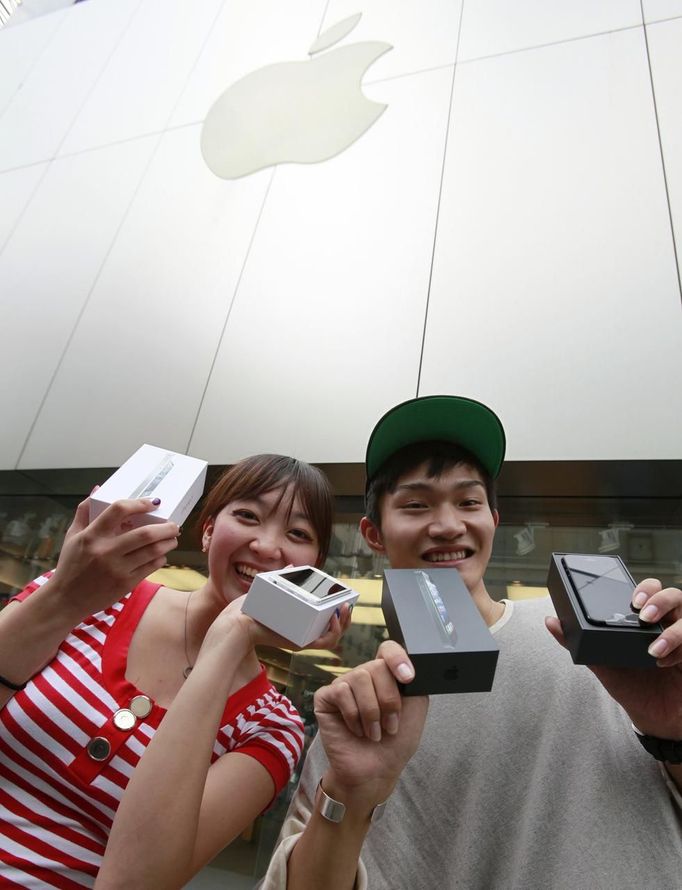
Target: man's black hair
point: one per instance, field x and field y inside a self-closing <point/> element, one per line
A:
<point x="439" y="457"/>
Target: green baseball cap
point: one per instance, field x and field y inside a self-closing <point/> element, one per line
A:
<point x="456" y="419"/>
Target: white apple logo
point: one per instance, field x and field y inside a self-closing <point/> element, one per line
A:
<point x="301" y="112"/>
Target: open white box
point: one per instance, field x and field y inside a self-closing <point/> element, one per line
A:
<point x="297" y="603"/>
<point x="176" y="479"/>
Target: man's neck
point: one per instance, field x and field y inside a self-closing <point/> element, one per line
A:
<point x="490" y="609"/>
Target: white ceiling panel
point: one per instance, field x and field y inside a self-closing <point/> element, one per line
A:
<point x="137" y="364"/>
<point x="16" y="188"/>
<point x="41" y="113"/>
<point x="247" y="35"/>
<point x="665" y="43"/>
<point x="20" y="47"/>
<point x="145" y="77"/>
<point x="554" y="295"/>
<point x="657" y="10"/>
<point x="47" y="271"/>
<point x="490" y="27"/>
<point x="326" y="329"/>
<point x="423" y="33"/>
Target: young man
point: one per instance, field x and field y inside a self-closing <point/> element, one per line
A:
<point x="541" y="783"/>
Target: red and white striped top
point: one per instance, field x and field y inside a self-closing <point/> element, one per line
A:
<point x="57" y="803"/>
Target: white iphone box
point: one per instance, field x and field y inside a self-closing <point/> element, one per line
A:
<point x="297" y="603"/>
<point x="176" y="479"/>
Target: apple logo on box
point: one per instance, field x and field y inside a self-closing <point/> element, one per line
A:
<point x="300" y="112"/>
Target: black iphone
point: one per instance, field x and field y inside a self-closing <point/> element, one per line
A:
<point x="604" y="589"/>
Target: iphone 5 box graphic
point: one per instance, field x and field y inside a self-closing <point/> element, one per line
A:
<point x="592" y="595"/>
<point x="297" y="603"/>
<point x="431" y="614"/>
<point x="176" y="479"/>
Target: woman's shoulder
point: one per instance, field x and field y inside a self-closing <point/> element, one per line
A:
<point x="262" y="722"/>
<point x="259" y="706"/>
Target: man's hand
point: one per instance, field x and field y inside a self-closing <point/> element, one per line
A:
<point x="652" y="697"/>
<point x="369" y="732"/>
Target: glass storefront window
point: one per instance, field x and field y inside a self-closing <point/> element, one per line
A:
<point x="32" y="532"/>
<point x="645" y="532"/>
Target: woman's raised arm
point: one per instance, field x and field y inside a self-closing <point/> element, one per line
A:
<point x="99" y="563"/>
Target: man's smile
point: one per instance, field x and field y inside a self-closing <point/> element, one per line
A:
<point x="447" y="555"/>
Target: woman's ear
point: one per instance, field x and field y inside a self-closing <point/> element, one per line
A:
<point x="372" y="535"/>
<point x="206" y="535"/>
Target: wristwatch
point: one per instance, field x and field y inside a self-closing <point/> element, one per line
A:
<point x="334" y="811"/>
<point x="668" y="750"/>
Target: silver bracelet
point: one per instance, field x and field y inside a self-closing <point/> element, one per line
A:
<point x="334" y="811"/>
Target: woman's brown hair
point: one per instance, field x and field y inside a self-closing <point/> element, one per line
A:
<point x="266" y="472"/>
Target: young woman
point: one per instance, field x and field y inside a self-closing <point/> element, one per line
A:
<point x="107" y="666"/>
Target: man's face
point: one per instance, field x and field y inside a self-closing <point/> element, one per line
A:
<point x="439" y="522"/>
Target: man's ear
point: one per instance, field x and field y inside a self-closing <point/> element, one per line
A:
<point x="372" y="535"/>
<point x="496" y="517"/>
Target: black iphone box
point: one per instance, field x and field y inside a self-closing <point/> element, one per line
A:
<point x="592" y="595"/>
<point x="431" y="614"/>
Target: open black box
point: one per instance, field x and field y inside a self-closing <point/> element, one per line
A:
<point x="432" y="615"/>
<point x="582" y="583"/>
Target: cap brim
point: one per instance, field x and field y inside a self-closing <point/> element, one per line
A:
<point x="456" y="419"/>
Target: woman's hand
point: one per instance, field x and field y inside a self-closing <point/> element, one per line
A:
<point x="339" y="624"/>
<point x="330" y="639"/>
<point x="256" y="634"/>
<point x="102" y="560"/>
<point x="99" y="563"/>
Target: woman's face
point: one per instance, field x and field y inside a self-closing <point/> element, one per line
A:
<point x="257" y="534"/>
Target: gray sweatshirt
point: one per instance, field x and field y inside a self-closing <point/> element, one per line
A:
<point x="540" y="783"/>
